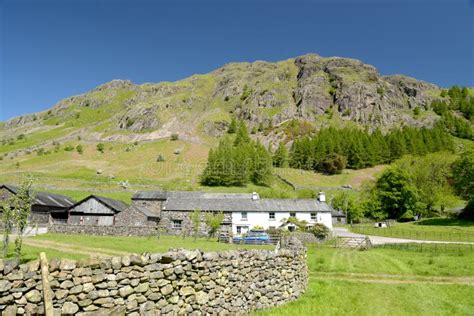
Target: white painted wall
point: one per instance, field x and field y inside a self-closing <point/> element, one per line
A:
<point x="262" y="219"/>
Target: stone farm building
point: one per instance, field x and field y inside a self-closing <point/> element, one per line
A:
<point x="170" y="212"/>
<point x="45" y="207"/>
<point x="242" y="212"/>
<point x="338" y="217"/>
<point x="95" y="210"/>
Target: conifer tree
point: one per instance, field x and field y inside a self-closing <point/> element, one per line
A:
<point x="280" y="158"/>
<point x="233" y="126"/>
<point x="242" y="136"/>
<point x="262" y="165"/>
<point x="238" y="161"/>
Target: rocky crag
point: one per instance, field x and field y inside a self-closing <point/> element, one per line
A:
<point x="310" y="88"/>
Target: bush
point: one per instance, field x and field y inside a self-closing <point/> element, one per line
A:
<point x="246" y="92"/>
<point x="160" y="158"/>
<point x="232" y="126"/>
<point x="68" y="148"/>
<point x="380" y="90"/>
<point x="100" y="147"/>
<point x="174" y="137"/>
<point x="468" y="212"/>
<point x="79" y="149"/>
<point x="320" y="231"/>
<point x="416" y="111"/>
<point x="129" y="122"/>
<point x="333" y="164"/>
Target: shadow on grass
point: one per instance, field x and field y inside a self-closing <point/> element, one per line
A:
<point x="445" y="222"/>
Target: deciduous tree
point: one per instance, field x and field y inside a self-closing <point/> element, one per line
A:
<point x="214" y="221"/>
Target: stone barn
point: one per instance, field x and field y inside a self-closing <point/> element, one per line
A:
<point x="46" y="206"/>
<point x="137" y="215"/>
<point x="95" y="210"/>
<point x="338" y="217"/>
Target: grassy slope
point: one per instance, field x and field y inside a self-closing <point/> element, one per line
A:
<point x="442" y="229"/>
<point x="355" y="178"/>
<point x="74" y="174"/>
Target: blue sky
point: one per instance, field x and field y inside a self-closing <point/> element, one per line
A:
<point x="50" y="49"/>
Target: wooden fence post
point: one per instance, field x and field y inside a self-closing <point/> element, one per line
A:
<point x="47" y="294"/>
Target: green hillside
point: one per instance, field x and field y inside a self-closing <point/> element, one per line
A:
<point x="279" y="102"/>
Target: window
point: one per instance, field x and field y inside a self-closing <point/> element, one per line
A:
<point x="313" y="216"/>
<point x="244" y="216"/>
<point x="242" y="230"/>
<point x="271" y="216"/>
<point x="293" y="214"/>
<point x="177" y="224"/>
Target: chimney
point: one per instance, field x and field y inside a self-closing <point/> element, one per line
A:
<point x="322" y="197"/>
<point x="255" y="196"/>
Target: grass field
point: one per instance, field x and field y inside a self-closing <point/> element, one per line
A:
<point x="308" y="179"/>
<point x="83" y="246"/>
<point x="384" y="282"/>
<point x="32" y="253"/>
<point x="342" y="281"/>
<point x="439" y="229"/>
<point x="336" y="297"/>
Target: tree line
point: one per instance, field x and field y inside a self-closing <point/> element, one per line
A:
<point x="332" y="150"/>
<point x="414" y="186"/>
<point x="456" y="109"/>
<point x="238" y="160"/>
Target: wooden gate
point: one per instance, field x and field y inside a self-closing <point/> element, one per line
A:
<point x="362" y="243"/>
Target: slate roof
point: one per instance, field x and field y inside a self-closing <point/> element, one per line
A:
<point x="164" y="195"/>
<point x="147" y="211"/>
<point x="337" y="213"/>
<point x="247" y="205"/>
<point x="117" y="206"/>
<point x="45" y="198"/>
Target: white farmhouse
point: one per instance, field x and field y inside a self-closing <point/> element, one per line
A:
<point x="242" y="212"/>
<point x="274" y="213"/>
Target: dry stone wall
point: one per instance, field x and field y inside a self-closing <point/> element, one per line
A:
<point x="103" y="230"/>
<point x="177" y="282"/>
